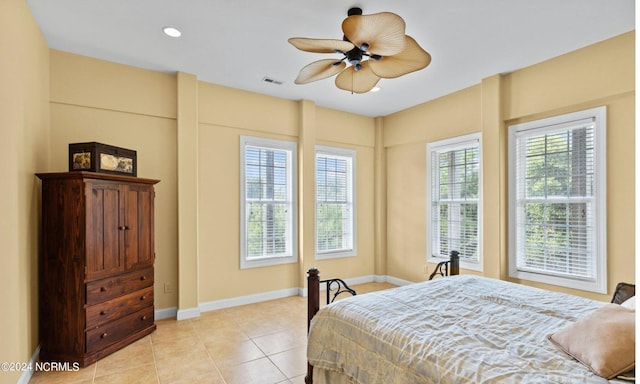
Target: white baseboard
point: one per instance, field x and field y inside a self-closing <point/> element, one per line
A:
<point x="373" y="279"/>
<point x="248" y="299"/>
<point x="183" y="314"/>
<point x="376" y="279"/>
<point x="398" y="282"/>
<point x="359" y="280"/>
<point x="189" y="313"/>
<point x="166" y="313"/>
<point x="28" y="373"/>
<point x="379" y="278"/>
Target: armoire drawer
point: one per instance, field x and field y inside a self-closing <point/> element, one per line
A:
<point x="109" y="333"/>
<point x="116" y="308"/>
<point x="105" y="289"/>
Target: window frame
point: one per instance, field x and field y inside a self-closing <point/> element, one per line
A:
<point x="291" y="255"/>
<point x="350" y="154"/>
<point x="599" y="240"/>
<point x="447" y="145"/>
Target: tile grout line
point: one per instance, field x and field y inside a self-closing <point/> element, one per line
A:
<point x="207" y="351"/>
<point x="252" y="339"/>
<point x="95" y="369"/>
<point x="155" y="362"/>
<point x="270" y="360"/>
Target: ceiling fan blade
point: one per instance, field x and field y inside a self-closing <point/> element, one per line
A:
<point x="412" y="58"/>
<point x="320" y="45"/>
<point x="361" y="81"/>
<point x="319" y="70"/>
<point x="382" y="32"/>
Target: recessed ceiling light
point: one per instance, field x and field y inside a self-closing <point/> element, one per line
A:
<point x="171" y="31"/>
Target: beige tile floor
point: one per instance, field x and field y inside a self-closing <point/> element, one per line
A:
<point x="262" y="343"/>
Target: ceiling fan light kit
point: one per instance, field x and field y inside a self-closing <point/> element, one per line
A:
<point x="375" y="46"/>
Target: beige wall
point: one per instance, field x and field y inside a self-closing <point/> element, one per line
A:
<point x="223" y="119"/>
<point x="405" y="136"/>
<point x="24" y="150"/>
<point x="95" y="100"/>
<point x="601" y="74"/>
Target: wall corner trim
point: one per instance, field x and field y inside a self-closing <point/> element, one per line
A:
<point x="189" y="313"/>
<point x="166" y="313"/>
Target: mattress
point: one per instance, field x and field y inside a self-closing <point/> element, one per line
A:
<point x="458" y="329"/>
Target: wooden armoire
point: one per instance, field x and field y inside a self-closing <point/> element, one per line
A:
<point x="95" y="265"/>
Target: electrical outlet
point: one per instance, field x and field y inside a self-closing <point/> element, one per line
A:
<point x="168" y="288"/>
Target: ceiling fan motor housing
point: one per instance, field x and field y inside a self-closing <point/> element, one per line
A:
<point x="354" y="56"/>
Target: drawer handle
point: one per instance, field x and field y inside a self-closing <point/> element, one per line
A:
<point x="143" y="298"/>
<point x="102" y="313"/>
<point x="122" y="227"/>
<point x="103" y="289"/>
<point x="143" y="278"/>
<point x="143" y="318"/>
<point x="104" y="335"/>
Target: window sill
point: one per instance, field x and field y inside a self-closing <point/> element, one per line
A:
<point x="248" y="264"/>
<point x="583" y="285"/>
<point x="335" y="255"/>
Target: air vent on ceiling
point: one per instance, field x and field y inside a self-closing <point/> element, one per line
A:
<point x="272" y="81"/>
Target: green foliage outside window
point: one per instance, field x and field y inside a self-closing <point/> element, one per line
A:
<point x="559" y="183"/>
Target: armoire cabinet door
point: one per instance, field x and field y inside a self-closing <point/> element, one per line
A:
<point x="138" y="239"/>
<point x="104" y="229"/>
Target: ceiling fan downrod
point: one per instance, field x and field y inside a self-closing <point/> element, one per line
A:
<point x="354" y="11"/>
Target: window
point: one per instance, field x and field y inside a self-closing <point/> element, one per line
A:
<point x="335" y="209"/>
<point x="453" y="198"/>
<point x="268" y="206"/>
<point x="557" y="200"/>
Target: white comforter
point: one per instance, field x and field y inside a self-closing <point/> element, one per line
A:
<point x="459" y="329"/>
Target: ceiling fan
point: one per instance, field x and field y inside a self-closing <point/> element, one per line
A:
<point x="376" y="47"/>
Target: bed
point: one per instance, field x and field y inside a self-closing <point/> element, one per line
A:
<point x="463" y="329"/>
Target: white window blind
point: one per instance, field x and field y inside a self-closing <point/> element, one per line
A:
<point x="557" y="204"/>
<point x="335" y="224"/>
<point x="453" y="197"/>
<point x="268" y="209"/>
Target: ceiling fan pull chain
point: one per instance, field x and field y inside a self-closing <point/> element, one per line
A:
<point x="352" y="83"/>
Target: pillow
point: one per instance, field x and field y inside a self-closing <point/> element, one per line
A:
<point x="623" y="292"/>
<point x="630" y="303"/>
<point x="604" y="340"/>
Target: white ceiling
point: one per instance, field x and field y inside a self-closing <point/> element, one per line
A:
<point x="238" y="43"/>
